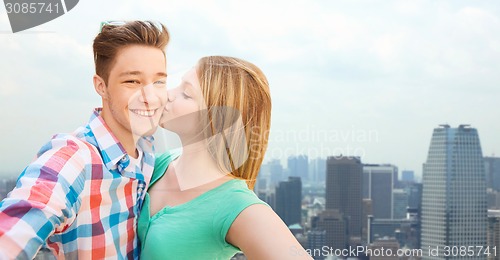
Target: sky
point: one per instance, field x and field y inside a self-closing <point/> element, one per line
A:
<point x="364" y="78"/>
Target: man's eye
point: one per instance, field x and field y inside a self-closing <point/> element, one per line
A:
<point x="160" y="83"/>
<point x="132" y="81"/>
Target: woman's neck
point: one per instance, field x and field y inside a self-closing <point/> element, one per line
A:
<point x="196" y="167"/>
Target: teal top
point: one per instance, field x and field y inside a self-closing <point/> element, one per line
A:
<point x="196" y="229"/>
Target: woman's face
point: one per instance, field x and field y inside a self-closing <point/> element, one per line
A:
<point x="181" y="114"/>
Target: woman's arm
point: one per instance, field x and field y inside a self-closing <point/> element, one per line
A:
<point x="261" y="234"/>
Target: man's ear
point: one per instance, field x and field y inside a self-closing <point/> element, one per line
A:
<point x="100" y="86"/>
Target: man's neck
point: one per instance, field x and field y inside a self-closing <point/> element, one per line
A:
<point x="124" y="136"/>
<point x="129" y="144"/>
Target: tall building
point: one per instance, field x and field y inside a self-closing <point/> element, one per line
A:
<point x="343" y="190"/>
<point x="378" y="184"/>
<point x="334" y="223"/>
<point x="404" y="230"/>
<point x="454" y="205"/>
<point x="414" y="239"/>
<point x="400" y="203"/>
<point x="298" y="166"/>
<point x="494" y="233"/>
<point x="366" y="212"/>
<point x="316" y="240"/>
<point x="414" y="191"/>
<point x="317" y="171"/>
<point x="276" y="173"/>
<point x="407" y="176"/>
<point x="262" y="183"/>
<point x="381" y="245"/>
<point x="492" y="167"/>
<point x="493" y="199"/>
<point x="288" y="200"/>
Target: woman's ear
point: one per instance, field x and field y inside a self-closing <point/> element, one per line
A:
<point x="100" y="86"/>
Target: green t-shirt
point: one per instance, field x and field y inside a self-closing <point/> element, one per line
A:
<point x="196" y="229"/>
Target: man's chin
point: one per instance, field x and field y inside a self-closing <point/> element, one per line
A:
<point x="145" y="132"/>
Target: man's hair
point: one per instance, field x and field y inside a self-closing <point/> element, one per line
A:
<point x="235" y="90"/>
<point x="113" y="38"/>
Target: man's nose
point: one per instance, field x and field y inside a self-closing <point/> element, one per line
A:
<point x="149" y="94"/>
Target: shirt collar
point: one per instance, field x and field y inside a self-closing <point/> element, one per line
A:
<point x="112" y="152"/>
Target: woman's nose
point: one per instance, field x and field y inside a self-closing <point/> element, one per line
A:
<point x="171" y="95"/>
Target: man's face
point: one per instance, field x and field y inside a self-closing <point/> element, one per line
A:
<point x="136" y="91"/>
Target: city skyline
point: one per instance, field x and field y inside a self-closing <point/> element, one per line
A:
<point x="454" y="204"/>
<point x="322" y="220"/>
<point x="344" y="80"/>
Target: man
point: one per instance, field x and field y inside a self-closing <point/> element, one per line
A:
<point x="81" y="196"/>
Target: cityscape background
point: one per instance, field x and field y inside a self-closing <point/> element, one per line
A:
<point x="357" y="88"/>
<point x="339" y="202"/>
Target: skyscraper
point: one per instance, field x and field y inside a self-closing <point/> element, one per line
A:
<point x="366" y="212"/>
<point x="343" y="190"/>
<point x="317" y="170"/>
<point x="400" y="203"/>
<point x="384" y="244"/>
<point x="276" y="172"/>
<point x="316" y="240"/>
<point x="407" y="176"/>
<point x="492" y="166"/>
<point x="298" y="166"/>
<point x="494" y="233"/>
<point x="334" y="224"/>
<point x="454" y="209"/>
<point x="414" y="191"/>
<point x="378" y="184"/>
<point x="288" y="200"/>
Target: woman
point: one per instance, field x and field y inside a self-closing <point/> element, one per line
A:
<point x="200" y="204"/>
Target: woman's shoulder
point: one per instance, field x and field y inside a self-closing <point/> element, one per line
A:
<point x="234" y="197"/>
<point x="237" y="190"/>
<point x="161" y="163"/>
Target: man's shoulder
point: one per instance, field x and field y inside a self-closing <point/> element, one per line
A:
<point x="63" y="155"/>
<point x="65" y="143"/>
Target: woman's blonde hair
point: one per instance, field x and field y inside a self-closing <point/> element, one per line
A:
<point x="238" y="102"/>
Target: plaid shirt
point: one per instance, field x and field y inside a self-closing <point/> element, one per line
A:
<point x="80" y="198"/>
